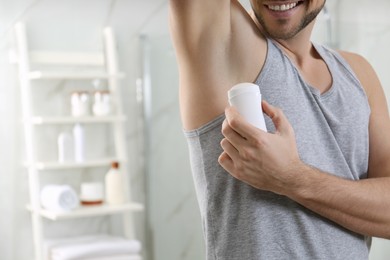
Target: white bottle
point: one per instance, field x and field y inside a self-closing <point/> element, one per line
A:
<point x="115" y="194"/>
<point x="102" y="103"/>
<point x="79" y="142"/>
<point x="65" y="147"/>
<point x="80" y="103"/>
<point x="246" y="98"/>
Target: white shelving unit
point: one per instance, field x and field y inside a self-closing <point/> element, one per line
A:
<point x="88" y="211"/>
<point x="55" y="165"/>
<point x="39" y="120"/>
<point x="106" y="66"/>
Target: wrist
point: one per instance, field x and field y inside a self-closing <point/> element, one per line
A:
<point x="298" y="183"/>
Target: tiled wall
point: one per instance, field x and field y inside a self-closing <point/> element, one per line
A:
<point x="174" y="213"/>
<point x="364" y="28"/>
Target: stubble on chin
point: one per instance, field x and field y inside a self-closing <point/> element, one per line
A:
<point x="291" y="32"/>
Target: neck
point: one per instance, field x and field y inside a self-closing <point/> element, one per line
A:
<point x="299" y="48"/>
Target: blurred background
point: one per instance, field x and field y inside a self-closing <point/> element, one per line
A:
<point x="160" y="179"/>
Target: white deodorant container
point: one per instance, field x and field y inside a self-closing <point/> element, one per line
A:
<point x="246" y="98"/>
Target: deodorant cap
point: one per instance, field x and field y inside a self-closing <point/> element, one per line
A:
<point x="246" y="98"/>
<point x="243" y="88"/>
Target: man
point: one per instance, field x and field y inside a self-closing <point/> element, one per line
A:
<point x="317" y="185"/>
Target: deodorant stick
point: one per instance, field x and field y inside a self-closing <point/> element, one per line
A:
<point x="246" y="98"/>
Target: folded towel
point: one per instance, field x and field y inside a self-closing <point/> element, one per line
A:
<point x="116" y="257"/>
<point x="54" y="243"/>
<point x="59" y="198"/>
<point x="98" y="247"/>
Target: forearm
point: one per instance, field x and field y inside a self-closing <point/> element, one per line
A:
<point x="271" y="162"/>
<point x="361" y="206"/>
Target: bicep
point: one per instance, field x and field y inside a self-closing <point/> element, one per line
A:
<point x="217" y="45"/>
<point x="192" y="20"/>
<point x="200" y="31"/>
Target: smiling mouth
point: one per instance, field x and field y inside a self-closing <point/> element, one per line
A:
<point x="283" y="7"/>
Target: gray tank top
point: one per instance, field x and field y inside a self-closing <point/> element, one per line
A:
<point x="243" y="223"/>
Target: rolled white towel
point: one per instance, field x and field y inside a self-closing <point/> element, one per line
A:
<point x="59" y="198"/>
<point x="106" y="248"/>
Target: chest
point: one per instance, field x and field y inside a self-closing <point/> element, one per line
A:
<point x="317" y="75"/>
<point x="331" y="128"/>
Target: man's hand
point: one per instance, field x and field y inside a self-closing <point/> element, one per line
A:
<point x="267" y="161"/>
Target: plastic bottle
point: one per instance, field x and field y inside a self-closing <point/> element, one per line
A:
<point x="79" y="142"/>
<point x="115" y="194"/>
<point x="102" y="103"/>
<point x="80" y="103"/>
<point x="65" y="147"/>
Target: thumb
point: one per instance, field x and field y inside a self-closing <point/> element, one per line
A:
<point x="280" y="121"/>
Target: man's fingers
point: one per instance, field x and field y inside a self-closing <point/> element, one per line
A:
<point x="229" y="149"/>
<point x="226" y="162"/>
<point x="278" y="118"/>
<point x="232" y="136"/>
<point x="240" y="125"/>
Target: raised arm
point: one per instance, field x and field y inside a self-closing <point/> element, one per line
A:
<point x="217" y="45"/>
<point x="193" y="21"/>
<point x="199" y="29"/>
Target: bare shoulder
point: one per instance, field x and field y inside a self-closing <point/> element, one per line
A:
<point x="363" y="70"/>
<point x="379" y="127"/>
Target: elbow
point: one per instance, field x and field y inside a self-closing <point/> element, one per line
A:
<point x="383" y="230"/>
<point x="386" y="234"/>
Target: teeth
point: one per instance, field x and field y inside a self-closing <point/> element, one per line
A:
<point x="284" y="7"/>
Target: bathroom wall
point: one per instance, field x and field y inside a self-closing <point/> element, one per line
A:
<point x="70" y="25"/>
<point x="174" y="219"/>
<point x="174" y="216"/>
<point x="173" y="228"/>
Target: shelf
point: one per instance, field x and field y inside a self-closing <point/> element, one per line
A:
<point x="67" y="58"/>
<point x="72" y="165"/>
<point x="73" y="120"/>
<point x="72" y="75"/>
<point x="60" y="66"/>
<point x="89" y="211"/>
